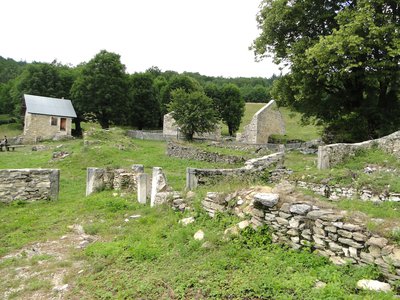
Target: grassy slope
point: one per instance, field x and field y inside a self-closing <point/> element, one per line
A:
<point x="154" y="257"/>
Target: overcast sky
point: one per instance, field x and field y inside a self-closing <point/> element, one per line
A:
<point x="206" y="36"/>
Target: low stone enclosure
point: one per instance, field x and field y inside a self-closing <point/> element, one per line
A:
<point x="252" y="167"/>
<point x="135" y="180"/>
<point x="187" y="152"/>
<point x="29" y="184"/>
<point x="331" y="155"/>
<point x="303" y="222"/>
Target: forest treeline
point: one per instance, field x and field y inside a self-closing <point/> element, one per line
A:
<point x="101" y="89"/>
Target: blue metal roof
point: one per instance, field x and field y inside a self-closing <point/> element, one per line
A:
<point x="49" y="106"/>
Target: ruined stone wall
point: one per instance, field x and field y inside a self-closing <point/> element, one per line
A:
<point x="331" y="155"/>
<point x="303" y="223"/>
<point x="253" y="167"/>
<point x="38" y="127"/>
<point x="29" y="184"/>
<point x="156" y="135"/>
<point x="181" y="151"/>
<point x="337" y="192"/>
<point x="98" y="179"/>
<point x="267" y="121"/>
<point x="171" y="130"/>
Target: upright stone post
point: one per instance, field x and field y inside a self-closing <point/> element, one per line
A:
<point x="323" y="158"/>
<point x="191" y="181"/>
<point x="138" y="168"/>
<point x="158" y="185"/>
<point x="92" y="181"/>
<point x="142" y="188"/>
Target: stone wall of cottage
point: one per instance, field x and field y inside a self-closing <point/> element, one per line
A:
<point x="29" y="184"/>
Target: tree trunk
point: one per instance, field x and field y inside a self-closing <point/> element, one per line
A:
<point x="189" y="136"/>
<point x="104" y="123"/>
<point x="78" y="128"/>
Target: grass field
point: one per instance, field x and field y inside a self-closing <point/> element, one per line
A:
<point x="152" y="257"/>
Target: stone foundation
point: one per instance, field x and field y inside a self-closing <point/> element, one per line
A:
<point x="300" y="222"/>
<point x="29" y="184"/>
<point x="253" y="167"/>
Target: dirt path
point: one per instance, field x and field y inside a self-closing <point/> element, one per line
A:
<point x="46" y="270"/>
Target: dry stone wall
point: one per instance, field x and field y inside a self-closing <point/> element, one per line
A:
<point x="156" y="135"/>
<point x="29" y="184"/>
<point x="267" y="121"/>
<point x="331" y="155"/>
<point x="98" y="179"/>
<point x="302" y="222"/>
<point x="253" y="167"/>
<point x="337" y="192"/>
<point x="181" y="151"/>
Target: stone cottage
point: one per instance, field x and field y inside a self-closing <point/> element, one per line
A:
<point x="47" y="118"/>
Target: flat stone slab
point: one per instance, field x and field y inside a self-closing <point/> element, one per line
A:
<point x="300" y="209"/>
<point x="266" y="199"/>
<point x="373" y="285"/>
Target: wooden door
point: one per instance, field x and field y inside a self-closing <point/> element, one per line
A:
<point x="63" y="124"/>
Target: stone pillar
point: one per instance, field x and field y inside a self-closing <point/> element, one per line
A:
<point x="138" y="168"/>
<point x="323" y="158"/>
<point x="142" y="188"/>
<point x="54" y="178"/>
<point x="158" y="185"/>
<point x="191" y="180"/>
<point x="94" y="180"/>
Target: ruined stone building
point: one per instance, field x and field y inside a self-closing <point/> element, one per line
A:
<point x="265" y="122"/>
<point x="47" y="118"/>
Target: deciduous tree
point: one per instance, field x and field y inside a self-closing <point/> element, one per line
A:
<point x="187" y="83"/>
<point x="143" y="106"/>
<point x="193" y="112"/>
<point x="102" y="89"/>
<point x="344" y="60"/>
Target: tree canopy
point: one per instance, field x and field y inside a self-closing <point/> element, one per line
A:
<point x="344" y="62"/>
<point x="102" y="88"/>
<point x="228" y="104"/>
<point x="187" y="83"/>
<point x="143" y="108"/>
<point x="193" y="112"/>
